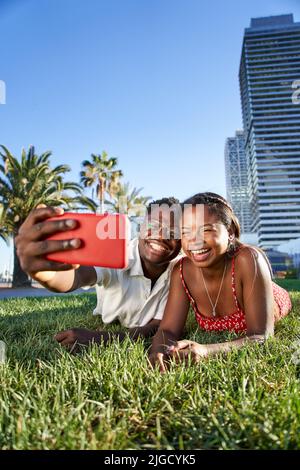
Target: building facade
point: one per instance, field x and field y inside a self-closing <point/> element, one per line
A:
<point x="269" y="72"/>
<point x="237" y="179"/>
<point x="293" y="249"/>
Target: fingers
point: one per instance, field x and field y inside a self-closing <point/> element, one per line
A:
<point x="185" y="356"/>
<point x="161" y="362"/>
<point x="71" y="347"/>
<point x="44" y="229"/>
<point x="180" y="356"/>
<point x="32" y="243"/>
<point x="50" y="246"/>
<point x="185" y="343"/>
<point x="32" y="254"/>
<point x="181" y="352"/>
<point x="157" y="360"/>
<point x="61" y="336"/>
<point x="179" y="345"/>
<point x="68" y="340"/>
<point x="40" y="214"/>
<point x="75" y="339"/>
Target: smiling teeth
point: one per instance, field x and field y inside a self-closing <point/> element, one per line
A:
<point x="157" y="247"/>
<point x="200" y="252"/>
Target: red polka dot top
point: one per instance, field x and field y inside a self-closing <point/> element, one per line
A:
<point x="235" y="321"/>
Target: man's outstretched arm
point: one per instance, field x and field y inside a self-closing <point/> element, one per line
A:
<point x="80" y="336"/>
<point x="144" y="331"/>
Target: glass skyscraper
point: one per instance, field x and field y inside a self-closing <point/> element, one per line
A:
<point x="269" y="68"/>
<point x="237" y="179"/>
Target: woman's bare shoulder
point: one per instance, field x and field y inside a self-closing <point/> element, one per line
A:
<point x="246" y="252"/>
<point x="187" y="266"/>
<point x="251" y="259"/>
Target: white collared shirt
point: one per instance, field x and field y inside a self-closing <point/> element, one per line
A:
<point x="126" y="295"/>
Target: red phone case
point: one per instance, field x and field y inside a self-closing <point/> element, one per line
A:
<point x="103" y="240"/>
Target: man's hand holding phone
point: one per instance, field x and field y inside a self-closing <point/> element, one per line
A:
<point x="52" y="244"/>
<point x="33" y="245"/>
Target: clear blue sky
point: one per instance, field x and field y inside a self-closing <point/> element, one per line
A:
<point x="152" y="82"/>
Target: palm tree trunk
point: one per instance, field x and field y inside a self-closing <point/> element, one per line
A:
<point x="20" y="278"/>
<point x="101" y="196"/>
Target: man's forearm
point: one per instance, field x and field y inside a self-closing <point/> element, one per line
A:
<point x="57" y="281"/>
<point x="107" y="336"/>
<point x="67" y="281"/>
<point x="144" y="331"/>
<point x="133" y="333"/>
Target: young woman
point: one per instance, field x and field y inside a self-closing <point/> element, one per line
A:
<point x="227" y="283"/>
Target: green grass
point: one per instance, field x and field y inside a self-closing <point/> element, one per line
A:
<point x="108" y="398"/>
<point x="289" y="284"/>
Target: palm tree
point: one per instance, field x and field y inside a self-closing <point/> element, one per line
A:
<point x="3" y="230"/>
<point x="127" y="200"/>
<point x="24" y="185"/>
<point x="101" y="171"/>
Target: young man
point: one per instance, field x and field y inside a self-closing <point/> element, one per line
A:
<point x="135" y="296"/>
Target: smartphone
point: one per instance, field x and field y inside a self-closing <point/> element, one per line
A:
<point x="104" y="240"/>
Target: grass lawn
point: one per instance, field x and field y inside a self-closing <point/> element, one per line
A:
<point x="107" y="398"/>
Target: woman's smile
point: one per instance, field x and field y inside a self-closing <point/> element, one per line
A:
<point x="200" y="255"/>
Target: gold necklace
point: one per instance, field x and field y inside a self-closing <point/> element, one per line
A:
<point x="214" y="313"/>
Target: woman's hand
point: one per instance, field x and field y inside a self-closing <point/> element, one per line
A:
<point x="185" y="349"/>
<point x="158" y="359"/>
<point x="181" y="351"/>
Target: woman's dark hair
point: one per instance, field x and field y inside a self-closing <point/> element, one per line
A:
<point x="218" y="206"/>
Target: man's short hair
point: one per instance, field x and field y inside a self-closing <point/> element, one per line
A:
<point x="169" y="201"/>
